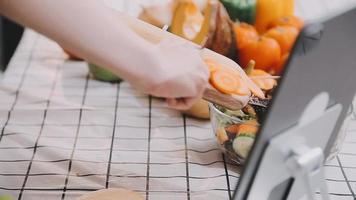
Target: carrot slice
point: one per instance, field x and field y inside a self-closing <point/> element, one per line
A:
<point x="247" y="128"/>
<point x="212" y="65"/>
<point x="224" y="81"/>
<point x="242" y="88"/>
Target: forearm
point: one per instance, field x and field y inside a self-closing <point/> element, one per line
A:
<point x="87" y="28"/>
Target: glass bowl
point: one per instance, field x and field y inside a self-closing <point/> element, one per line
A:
<point x="235" y="135"/>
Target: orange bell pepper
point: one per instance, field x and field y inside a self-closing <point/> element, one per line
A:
<point x="268" y="11"/>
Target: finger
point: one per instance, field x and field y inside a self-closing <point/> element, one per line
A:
<point x="171" y="102"/>
<point x="184" y="103"/>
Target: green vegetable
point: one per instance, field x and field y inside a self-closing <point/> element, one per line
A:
<point x="5" y="197"/>
<point x="242" y="10"/>
<point x="102" y="74"/>
<point x="239" y="114"/>
<point x="242" y="145"/>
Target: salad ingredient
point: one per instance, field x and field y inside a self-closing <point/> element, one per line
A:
<point x="250" y="111"/>
<point x="242" y="90"/>
<point x="199" y="110"/>
<point x="245" y="34"/>
<point x="247" y="129"/>
<point x="242" y="145"/>
<point x="224" y="81"/>
<point x="232" y="128"/>
<point x="265" y="83"/>
<point x="241" y="10"/>
<point x="284" y="35"/>
<point x="269" y="10"/>
<point x="102" y="74"/>
<point x="288" y="20"/>
<point x="221" y="135"/>
<point x="158" y="15"/>
<point x="264" y="51"/>
<point x="212" y="65"/>
<point x="228" y="81"/>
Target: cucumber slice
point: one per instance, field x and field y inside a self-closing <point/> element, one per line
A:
<point x="242" y="145"/>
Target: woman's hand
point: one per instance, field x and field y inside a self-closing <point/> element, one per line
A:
<point x="180" y="75"/>
<point x="172" y="70"/>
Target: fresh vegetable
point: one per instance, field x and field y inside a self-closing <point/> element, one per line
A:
<point x="232" y="129"/>
<point x="224" y="37"/>
<point x="211" y="28"/>
<point x="288" y="20"/>
<point x="288" y="7"/>
<point x="228" y="82"/>
<point x="247" y="129"/>
<point x="189" y="23"/>
<point x="284" y="35"/>
<point x="242" y="145"/>
<point x="5" y="197"/>
<point x="245" y="34"/>
<point x="235" y="135"/>
<point x="268" y="11"/>
<point x="264" y="51"/>
<point x="102" y="74"/>
<point x="236" y="130"/>
<point x="158" y="15"/>
<point x="278" y="68"/>
<point x="246" y="85"/>
<point x="221" y="135"/>
<point x="241" y="10"/>
<point x="224" y="81"/>
<point x="212" y="65"/>
<point x="264" y="83"/>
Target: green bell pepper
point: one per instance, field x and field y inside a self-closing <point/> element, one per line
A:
<point x="241" y="10"/>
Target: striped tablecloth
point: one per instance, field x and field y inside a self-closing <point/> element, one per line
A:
<point x="63" y="134"/>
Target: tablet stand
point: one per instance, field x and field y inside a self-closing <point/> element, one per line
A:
<point x="295" y="158"/>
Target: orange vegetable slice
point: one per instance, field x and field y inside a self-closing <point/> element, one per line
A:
<point x="224" y="81"/>
<point x="247" y="129"/>
<point x="212" y="65"/>
<point x="265" y="84"/>
<point x="242" y="88"/>
<point x="233" y="128"/>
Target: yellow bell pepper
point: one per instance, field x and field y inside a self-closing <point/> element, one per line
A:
<point x="270" y="10"/>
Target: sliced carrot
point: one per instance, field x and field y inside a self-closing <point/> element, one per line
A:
<point x="224" y="81"/>
<point x="242" y="89"/>
<point x="247" y="128"/>
<point x="233" y="128"/>
<point x="212" y="65"/>
<point x="265" y="84"/>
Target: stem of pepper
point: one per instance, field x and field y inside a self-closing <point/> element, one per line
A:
<point x="250" y="67"/>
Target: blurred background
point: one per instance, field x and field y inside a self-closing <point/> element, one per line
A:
<point x="10" y="35"/>
<point x="10" y="32"/>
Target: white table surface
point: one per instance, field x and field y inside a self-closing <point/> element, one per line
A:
<point x="63" y="134"/>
